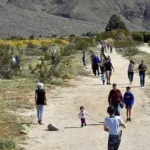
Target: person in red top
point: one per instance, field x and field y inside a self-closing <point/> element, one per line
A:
<point x="115" y="99"/>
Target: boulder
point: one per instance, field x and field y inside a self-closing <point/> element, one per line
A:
<point x="52" y="127"/>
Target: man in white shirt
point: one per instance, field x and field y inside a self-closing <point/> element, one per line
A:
<point x="112" y="125"/>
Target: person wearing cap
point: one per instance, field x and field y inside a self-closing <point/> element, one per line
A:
<point x="40" y="101"/>
<point x="115" y="99"/>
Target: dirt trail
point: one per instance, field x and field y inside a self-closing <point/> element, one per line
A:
<point x="145" y="48"/>
<point x="64" y="106"/>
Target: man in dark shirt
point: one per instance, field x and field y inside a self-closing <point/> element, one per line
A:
<point x="108" y="68"/>
<point x="115" y="99"/>
<point x="142" y="69"/>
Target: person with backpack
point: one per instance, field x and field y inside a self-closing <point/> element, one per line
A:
<point x="95" y="65"/>
<point x="131" y="71"/>
<point x="115" y="99"/>
<point x="129" y="101"/>
<point x="112" y="125"/>
<point x="108" y="67"/>
<point x="142" y="72"/>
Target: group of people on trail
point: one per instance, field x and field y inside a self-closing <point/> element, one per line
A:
<point x="142" y="72"/>
<point x="102" y="66"/>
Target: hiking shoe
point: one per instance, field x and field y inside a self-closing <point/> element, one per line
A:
<point x="109" y="83"/>
<point x="81" y="126"/>
<point x="129" y="119"/>
<point x="85" y="124"/>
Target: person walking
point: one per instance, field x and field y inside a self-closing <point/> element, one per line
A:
<point x="40" y="101"/>
<point x="115" y="99"/>
<point x="95" y="65"/>
<point x="102" y="64"/>
<point x="129" y="101"/>
<point x="108" y="67"/>
<point x="83" y="58"/>
<point x="142" y="72"/>
<point x="131" y="71"/>
<point x="112" y="125"/>
<point x="82" y="115"/>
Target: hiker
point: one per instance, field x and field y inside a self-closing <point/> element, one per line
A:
<point x="115" y="99"/>
<point x="82" y="115"/>
<point x="112" y="125"/>
<point x="102" y="64"/>
<point x="40" y="101"/>
<point x="108" y="68"/>
<point x="131" y="71"/>
<point x="95" y="65"/>
<point x="53" y="57"/>
<point x="142" y="69"/>
<point x="83" y="59"/>
<point x="129" y="101"/>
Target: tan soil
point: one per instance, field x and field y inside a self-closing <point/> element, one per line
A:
<point x="63" y="108"/>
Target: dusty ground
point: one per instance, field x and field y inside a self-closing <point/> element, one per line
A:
<point x="63" y="107"/>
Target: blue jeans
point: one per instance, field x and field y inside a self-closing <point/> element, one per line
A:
<point x="40" y="110"/>
<point x="142" y="78"/>
<point x="117" y="109"/>
<point x="130" y="76"/>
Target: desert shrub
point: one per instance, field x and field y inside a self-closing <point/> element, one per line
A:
<point x="44" y="48"/>
<point x="146" y="36"/>
<point x="54" y="36"/>
<point x="31" y="37"/>
<point x="7" y="144"/>
<point x="124" y="43"/>
<point x="31" y="45"/>
<point x="64" y="68"/>
<point x="119" y="34"/>
<point x="138" y="37"/>
<point x="72" y="35"/>
<point x="130" y="51"/>
<point x="7" y="69"/>
<point x="33" y="52"/>
<point x="115" y="22"/>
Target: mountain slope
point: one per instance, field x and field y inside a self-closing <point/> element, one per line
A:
<point x="63" y="17"/>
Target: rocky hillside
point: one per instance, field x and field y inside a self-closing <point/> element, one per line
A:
<point x="64" y="17"/>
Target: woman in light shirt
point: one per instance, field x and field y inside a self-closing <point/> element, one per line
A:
<point x="131" y="71"/>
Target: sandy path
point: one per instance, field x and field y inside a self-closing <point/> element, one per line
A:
<point x="64" y="106"/>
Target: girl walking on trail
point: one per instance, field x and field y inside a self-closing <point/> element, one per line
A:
<point x="103" y="78"/>
<point x="40" y="101"/>
<point x="131" y="71"/>
<point x="82" y="115"/>
<point x="112" y="125"/>
<point x="108" y="68"/>
<point x="129" y="101"/>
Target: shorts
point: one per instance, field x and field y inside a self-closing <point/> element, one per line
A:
<point x="108" y="73"/>
<point x="128" y="106"/>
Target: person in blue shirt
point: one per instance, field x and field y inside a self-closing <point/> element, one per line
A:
<point x="129" y="101"/>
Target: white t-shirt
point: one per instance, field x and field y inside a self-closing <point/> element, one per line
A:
<point x="83" y="114"/>
<point x="113" y="124"/>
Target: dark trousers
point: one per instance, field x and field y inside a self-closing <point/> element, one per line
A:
<point x="142" y="78"/>
<point x="84" y="62"/>
<point x="95" y="68"/>
<point x="130" y="76"/>
<point x="102" y="69"/>
<point x="83" y="121"/>
<point x="114" y="142"/>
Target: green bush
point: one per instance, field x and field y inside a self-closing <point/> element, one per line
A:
<point x="115" y="23"/>
<point x="138" y="37"/>
<point x="124" y="43"/>
<point x="146" y="36"/>
<point x="130" y="51"/>
<point x="114" y="34"/>
<point x="7" y="144"/>
<point x="44" y="48"/>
